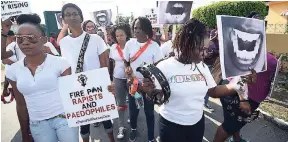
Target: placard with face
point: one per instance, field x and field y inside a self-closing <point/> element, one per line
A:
<point x="103" y="17"/>
<point x="174" y="12"/>
<point x="242" y="44"/>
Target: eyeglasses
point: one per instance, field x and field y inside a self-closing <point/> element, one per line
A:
<point x="31" y="38"/>
<point x="73" y="14"/>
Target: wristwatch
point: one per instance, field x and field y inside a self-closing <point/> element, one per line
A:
<point x="4" y="35"/>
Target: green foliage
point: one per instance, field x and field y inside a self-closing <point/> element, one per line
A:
<point x="207" y="14"/>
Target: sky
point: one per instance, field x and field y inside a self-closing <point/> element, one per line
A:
<point x="88" y="6"/>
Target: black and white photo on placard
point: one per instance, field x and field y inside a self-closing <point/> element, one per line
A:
<point x="174" y="12"/>
<point x="103" y="17"/>
<point x="242" y="44"/>
<point x="58" y="17"/>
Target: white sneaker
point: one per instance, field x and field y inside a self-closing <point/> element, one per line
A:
<point x="121" y="133"/>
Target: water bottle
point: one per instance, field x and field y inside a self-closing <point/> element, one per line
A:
<point x="138" y="100"/>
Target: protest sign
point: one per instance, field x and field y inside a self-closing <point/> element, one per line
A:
<point x="86" y="99"/>
<point x="14" y="8"/>
<point x="103" y="18"/>
<point x="152" y="15"/>
<point x="275" y="78"/>
<point x="242" y="45"/>
<point x="174" y="12"/>
<point x="58" y="17"/>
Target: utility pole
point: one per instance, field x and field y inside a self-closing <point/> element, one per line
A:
<point x="117" y="15"/>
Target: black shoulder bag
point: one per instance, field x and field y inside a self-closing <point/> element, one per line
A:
<point x="80" y="62"/>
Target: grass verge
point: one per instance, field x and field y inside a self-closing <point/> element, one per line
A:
<point x="275" y="110"/>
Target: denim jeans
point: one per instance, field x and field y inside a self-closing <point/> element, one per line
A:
<point x="53" y="130"/>
<point x="206" y="99"/>
<point x="149" y="112"/>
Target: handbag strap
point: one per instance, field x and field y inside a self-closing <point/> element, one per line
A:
<point x="80" y="61"/>
<point x="16" y="52"/>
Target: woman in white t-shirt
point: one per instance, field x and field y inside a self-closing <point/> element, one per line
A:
<point x="138" y="51"/>
<point x="34" y="79"/>
<point x="95" y="57"/>
<point x="121" y="34"/>
<point x="182" y="118"/>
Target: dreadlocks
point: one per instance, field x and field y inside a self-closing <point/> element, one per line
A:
<point x="189" y="41"/>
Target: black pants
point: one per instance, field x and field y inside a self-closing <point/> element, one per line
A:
<point x="230" y="124"/>
<point x="172" y="132"/>
<point x="149" y="112"/>
<point x="85" y="129"/>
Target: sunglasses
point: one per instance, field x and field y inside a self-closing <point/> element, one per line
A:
<point x="31" y="38"/>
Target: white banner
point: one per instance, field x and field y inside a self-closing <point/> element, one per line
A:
<point x="14" y="8"/>
<point x="86" y="99"/>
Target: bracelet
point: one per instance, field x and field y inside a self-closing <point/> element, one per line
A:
<point x="4" y="35"/>
<point x="244" y="100"/>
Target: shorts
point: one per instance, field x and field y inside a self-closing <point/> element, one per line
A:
<point x="231" y="125"/>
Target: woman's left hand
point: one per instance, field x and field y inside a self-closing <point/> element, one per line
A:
<point x="147" y="85"/>
<point x="251" y="78"/>
<point x="111" y="88"/>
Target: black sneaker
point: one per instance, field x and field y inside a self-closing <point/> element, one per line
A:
<point x="133" y="135"/>
<point x="209" y="107"/>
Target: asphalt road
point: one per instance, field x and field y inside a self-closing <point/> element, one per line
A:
<point x="258" y="131"/>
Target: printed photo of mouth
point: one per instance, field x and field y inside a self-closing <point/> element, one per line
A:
<point x="102" y="18"/>
<point x="243" y="45"/>
<point x="246" y="48"/>
<point x="175" y="12"/>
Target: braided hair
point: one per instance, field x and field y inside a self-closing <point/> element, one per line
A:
<point x="189" y="41"/>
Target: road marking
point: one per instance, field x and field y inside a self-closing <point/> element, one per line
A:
<point x="205" y="139"/>
<point x="213" y="120"/>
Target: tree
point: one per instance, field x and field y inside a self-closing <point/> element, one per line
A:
<point x="122" y="19"/>
<point x="207" y="14"/>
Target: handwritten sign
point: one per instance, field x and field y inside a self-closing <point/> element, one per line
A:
<point x="14" y="8"/>
<point x="86" y="99"/>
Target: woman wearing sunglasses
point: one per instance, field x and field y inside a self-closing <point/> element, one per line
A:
<point x="182" y="118"/>
<point x="34" y="79"/>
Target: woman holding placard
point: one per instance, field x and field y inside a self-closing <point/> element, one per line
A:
<point x="181" y="117"/>
<point x="34" y="79"/>
<point x="92" y="51"/>
<point x="121" y="34"/>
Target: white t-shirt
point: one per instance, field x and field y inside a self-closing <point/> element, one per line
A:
<point x="166" y="48"/>
<point x="16" y="51"/>
<point x="119" y="70"/>
<point x="188" y="89"/>
<point x="151" y="55"/>
<point x="70" y="49"/>
<point x="52" y="48"/>
<point x="41" y="90"/>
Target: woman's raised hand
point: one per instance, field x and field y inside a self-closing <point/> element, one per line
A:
<point x="147" y="85"/>
<point x="251" y="78"/>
